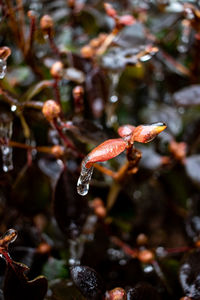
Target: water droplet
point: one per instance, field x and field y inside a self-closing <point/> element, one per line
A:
<point x="145" y="57"/>
<point x="8" y="237"/>
<point x="84" y="178"/>
<point x="148" y="269"/>
<point x="113" y="99"/>
<point x="3" y="68"/>
<point x="5" y="135"/>
<point x="76" y="248"/>
<point x="13" y="108"/>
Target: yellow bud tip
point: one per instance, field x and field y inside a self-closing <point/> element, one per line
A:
<point x="159" y="127"/>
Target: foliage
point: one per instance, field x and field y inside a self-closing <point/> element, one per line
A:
<point x="111" y="88"/>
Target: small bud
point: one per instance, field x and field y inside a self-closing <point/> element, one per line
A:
<point x="102" y="37"/>
<point x="78" y="98"/>
<point x="46" y="23"/>
<point x="126" y="20"/>
<point x="78" y="91"/>
<point x="4" y="52"/>
<point x="87" y="52"/>
<point x="179" y="150"/>
<point x="110" y="11"/>
<point x="71" y="3"/>
<point x="142" y="239"/>
<point x="95" y="43"/>
<point x="197" y="244"/>
<point x="116" y="294"/>
<point x="146" y="133"/>
<point x="99" y="208"/>
<point x="31" y="14"/>
<point x="57" y="151"/>
<point x="146" y="256"/>
<point x="125" y="130"/>
<point x="44" y="248"/>
<point x="51" y="110"/>
<point x="8" y="237"/>
<point x="57" y="70"/>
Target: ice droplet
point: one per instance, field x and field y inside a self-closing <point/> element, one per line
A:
<point x="5" y="135"/>
<point x="8" y="237"/>
<point x="13" y="108"/>
<point x="3" y="68"/>
<point x="76" y="248"/>
<point x="84" y="178"/>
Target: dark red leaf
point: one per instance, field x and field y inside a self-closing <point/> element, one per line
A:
<point x="88" y="282"/>
<point x="142" y="291"/>
<point x="192" y="165"/>
<point x="188" y="96"/>
<point x="17" y="286"/>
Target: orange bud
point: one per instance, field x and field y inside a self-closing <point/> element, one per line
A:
<point x="142" y="239"/>
<point x="178" y="150"/>
<point x="146" y="133"/>
<point x="57" y="69"/>
<point x="87" y="51"/>
<point x="106" y="151"/>
<point x="57" y="151"/>
<point x="78" y="91"/>
<point x="110" y="11"/>
<point x="125" y="130"/>
<point x="44" y="248"/>
<point x="146" y="256"/>
<point x="116" y="294"/>
<point x="50" y="110"/>
<point x="126" y="20"/>
<point x="4" y="52"/>
<point x="95" y="43"/>
<point x="99" y="208"/>
<point x="46" y="23"/>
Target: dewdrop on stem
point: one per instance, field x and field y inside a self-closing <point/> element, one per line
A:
<point x="5" y="135"/>
<point x="84" y="178"/>
<point x="4" y="54"/>
<point x="3" y="68"/>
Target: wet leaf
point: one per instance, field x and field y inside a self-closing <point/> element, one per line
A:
<point x="142" y="291"/>
<point x="189" y="275"/>
<point x="17" y="286"/>
<point x="70" y="209"/>
<point x="188" y="96"/>
<point x="150" y="159"/>
<point x="192" y="165"/>
<point x="88" y="282"/>
<point x="106" y="151"/>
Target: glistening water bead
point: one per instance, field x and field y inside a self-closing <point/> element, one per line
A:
<point x="84" y="178"/>
<point x="3" y="68"/>
<point x="5" y="134"/>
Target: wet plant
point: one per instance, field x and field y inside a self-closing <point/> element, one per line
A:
<point x="99" y="144"/>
